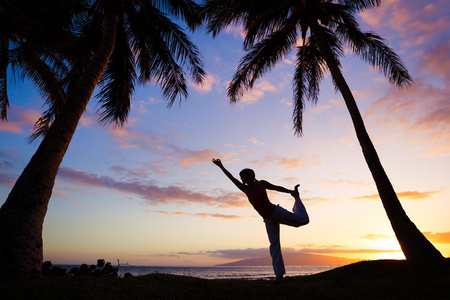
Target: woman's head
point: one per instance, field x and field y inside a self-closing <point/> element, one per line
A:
<point x="247" y="175"/>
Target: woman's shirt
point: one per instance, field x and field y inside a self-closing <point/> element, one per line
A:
<point x="257" y="196"/>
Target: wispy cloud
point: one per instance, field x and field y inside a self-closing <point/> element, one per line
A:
<point x="237" y="31"/>
<point x="257" y="92"/>
<point x="4" y="165"/>
<point x="416" y="21"/>
<point x="342" y="181"/>
<point x="141" y="105"/>
<point x="290" y="163"/>
<point x="443" y="150"/>
<point x="335" y="249"/>
<point x="158" y="143"/>
<point x="439" y="237"/>
<point x="197" y="157"/>
<point x="20" y="120"/>
<point x="376" y="237"/>
<point x="418" y="114"/>
<point x="89" y="118"/>
<point x="251" y="96"/>
<point x="7" y="179"/>
<point x="165" y="255"/>
<point x="8" y="160"/>
<point x="249" y="253"/>
<point x="201" y="215"/>
<point x="287" y="102"/>
<point x="148" y="190"/>
<point x="313" y="200"/>
<point x="421" y="110"/>
<point x="266" y="86"/>
<point x="255" y="142"/>
<point x="8" y="157"/>
<point x="346" y="250"/>
<point x="208" y="83"/>
<point x="128" y="138"/>
<point x="435" y="61"/>
<point x="412" y="195"/>
<point x="130" y="172"/>
<point x="178" y="213"/>
<point x="237" y="254"/>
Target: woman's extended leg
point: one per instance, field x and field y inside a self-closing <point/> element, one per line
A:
<point x="298" y="218"/>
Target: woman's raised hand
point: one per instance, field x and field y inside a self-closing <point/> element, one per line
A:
<point x="217" y="162"/>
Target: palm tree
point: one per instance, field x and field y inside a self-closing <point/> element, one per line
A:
<point x="272" y="30"/>
<point x="135" y="37"/>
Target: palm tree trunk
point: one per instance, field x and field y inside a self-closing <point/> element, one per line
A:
<point x="22" y="215"/>
<point x="413" y="243"/>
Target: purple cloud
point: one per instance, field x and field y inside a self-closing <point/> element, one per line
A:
<point x="152" y="193"/>
<point x="201" y="215"/>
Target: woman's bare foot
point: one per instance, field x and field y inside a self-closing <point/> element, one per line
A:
<point x="295" y="192"/>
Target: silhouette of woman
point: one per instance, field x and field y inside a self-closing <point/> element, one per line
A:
<point x="273" y="215"/>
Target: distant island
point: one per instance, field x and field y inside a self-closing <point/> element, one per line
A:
<point x="292" y="259"/>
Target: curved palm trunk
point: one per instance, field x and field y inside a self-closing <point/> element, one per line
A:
<point x="413" y="243"/>
<point x="22" y="215"/>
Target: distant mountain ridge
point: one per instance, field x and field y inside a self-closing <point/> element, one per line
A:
<point x="293" y="259"/>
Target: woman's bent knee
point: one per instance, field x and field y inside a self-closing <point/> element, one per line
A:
<point x="303" y="222"/>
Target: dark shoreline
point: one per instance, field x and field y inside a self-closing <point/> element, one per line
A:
<point x="217" y="272"/>
<point x="382" y="279"/>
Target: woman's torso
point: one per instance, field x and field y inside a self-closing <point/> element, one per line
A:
<point x="257" y="195"/>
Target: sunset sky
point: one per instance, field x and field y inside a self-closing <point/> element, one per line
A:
<point x="148" y="194"/>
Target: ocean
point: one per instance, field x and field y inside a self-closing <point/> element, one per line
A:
<point x="216" y="272"/>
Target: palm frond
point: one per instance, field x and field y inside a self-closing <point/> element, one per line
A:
<point x="156" y="62"/>
<point x="263" y="56"/>
<point x="316" y="68"/>
<point x="333" y="15"/>
<point x="379" y="54"/>
<point x="42" y="126"/>
<point x="158" y="49"/>
<point x="299" y="85"/>
<point x="182" y="48"/>
<point x="46" y="78"/>
<point x="260" y="25"/>
<point x="188" y="10"/>
<point x="117" y="81"/>
<point x="87" y="35"/>
<point x="373" y="49"/>
<point x="139" y="40"/>
<point x="222" y="13"/>
<point x="4" y="61"/>
<point x="40" y="69"/>
<point x="360" y="4"/>
<point x="310" y="71"/>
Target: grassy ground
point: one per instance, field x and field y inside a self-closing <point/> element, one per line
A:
<point x="381" y="279"/>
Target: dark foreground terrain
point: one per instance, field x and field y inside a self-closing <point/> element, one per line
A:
<point x="382" y="279"/>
